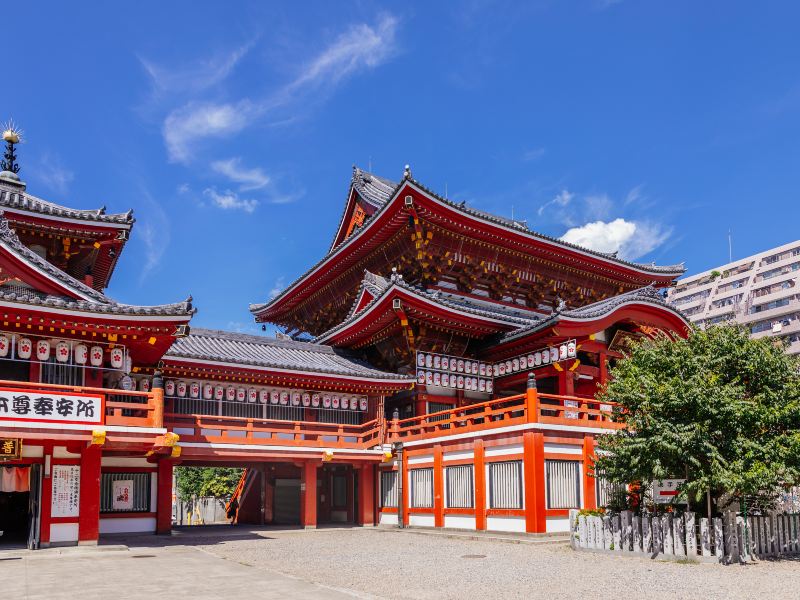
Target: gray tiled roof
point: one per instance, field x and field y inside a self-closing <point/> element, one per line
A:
<point x="92" y="301"/>
<point x="243" y="349"/>
<point x="15" y="196"/>
<point x="380" y="193"/>
<point x="374" y="190"/>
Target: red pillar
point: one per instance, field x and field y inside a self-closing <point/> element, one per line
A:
<point x="438" y="487"/>
<point x="480" y="486"/>
<point x="366" y="495"/>
<point x="308" y="495"/>
<point x="89" y="503"/>
<point x="164" y="498"/>
<point x="589" y="496"/>
<point x="535" y="499"/>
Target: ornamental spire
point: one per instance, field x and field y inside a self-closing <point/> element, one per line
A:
<point x="12" y="135"/>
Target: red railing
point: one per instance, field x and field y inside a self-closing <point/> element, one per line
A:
<point x="530" y="407"/>
<point x="130" y="409"/>
<point x="243" y="430"/>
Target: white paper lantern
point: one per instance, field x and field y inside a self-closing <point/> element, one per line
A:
<point x="144" y="384"/>
<point x="241" y="394"/>
<point x="208" y="391"/>
<point x="219" y="392"/>
<point x="62" y="352"/>
<point x="25" y="348"/>
<point x="284" y="397"/>
<point x="252" y="395"/>
<point x="553" y="355"/>
<point x="295" y="398"/>
<point x="263" y="396"/>
<point x="531" y="360"/>
<point x="437" y="362"/>
<point x="421" y="378"/>
<point x="428" y="361"/>
<point x="335" y="401"/>
<point x="562" y="352"/>
<point x="420" y="359"/>
<point x="429" y="378"/>
<point x="117" y="358"/>
<point x="169" y="386"/>
<point x="306" y="399"/>
<point x="5" y="345"/>
<point x="362" y="404"/>
<point x="437" y="379"/>
<point x="326" y="401"/>
<point x="194" y="389"/>
<point x="230" y="393"/>
<point x="315" y="400"/>
<point x="481" y="385"/>
<point x="181" y="389"/>
<point x="96" y="356"/>
<point x="274" y="397"/>
<point x="460" y="382"/>
<point x="81" y="354"/>
<point x="489" y="386"/>
<point x="571" y="350"/>
<point x="43" y="350"/>
<point x="515" y="365"/>
<point x="460" y="365"/>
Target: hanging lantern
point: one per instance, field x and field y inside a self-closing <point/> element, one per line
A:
<point x="489" y="386"/>
<point x="496" y="370"/>
<point x="421" y="378"/>
<point x="5" y="345"/>
<point x="502" y="369"/>
<point x="531" y="360"/>
<point x="562" y="352"/>
<point x="326" y="401"/>
<point x="571" y="350"/>
<point x="144" y="384"/>
<point x="474" y="367"/>
<point x="428" y="361"/>
<point x="553" y="355"/>
<point x="96" y="356"/>
<point x="420" y="359"/>
<point x="81" y="354"/>
<point x="128" y="364"/>
<point x="252" y="395"/>
<point x="335" y="401"/>
<point x="362" y="403"/>
<point x="263" y="396"/>
<point x="117" y="358"/>
<point x="181" y="389"/>
<point x="537" y="359"/>
<point x="460" y="382"/>
<point x="25" y="348"/>
<point x="454" y="365"/>
<point x="274" y="397"/>
<point x="219" y="392"/>
<point x="460" y="365"/>
<point x="482" y="369"/>
<point x="453" y="380"/>
<point x="169" y="386"/>
<point x="295" y="398"/>
<point x="468" y="383"/>
<point x="515" y="365"/>
<point x="437" y="362"/>
<point x="481" y="385"/>
<point x="428" y="378"/>
<point x="194" y="389"/>
<point x="306" y="399"/>
<point x="62" y="352"/>
<point x="284" y="397"/>
<point x="437" y="379"/>
<point x="241" y="394"/>
<point x="353" y="403"/>
<point x="208" y="391"/>
<point x="508" y="366"/>
<point x="315" y="399"/>
<point x="445" y="379"/>
<point x="230" y="394"/>
<point x="43" y="350"/>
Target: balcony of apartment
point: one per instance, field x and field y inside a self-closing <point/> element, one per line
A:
<point x="793" y="288"/>
<point x="787" y="260"/>
<point x="518" y="410"/>
<point x="772" y="313"/>
<point x="793" y="347"/>
<point x="792" y="327"/>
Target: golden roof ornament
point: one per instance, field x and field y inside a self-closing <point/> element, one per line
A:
<point x="12" y="135"/>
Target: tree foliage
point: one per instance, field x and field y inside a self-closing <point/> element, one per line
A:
<point x="196" y="482"/>
<point x="718" y="408"/>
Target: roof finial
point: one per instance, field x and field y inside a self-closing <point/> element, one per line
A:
<point x="12" y="136"/>
<point x="407" y="172"/>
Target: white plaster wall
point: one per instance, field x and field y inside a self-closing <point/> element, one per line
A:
<point x="125" y="461"/>
<point x="421" y="520"/>
<point x="516" y="524"/>
<point x="466" y="454"/>
<point x="459" y="521"/>
<point x="388" y="519"/>
<point x="423" y="458"/>
<point x="563" y="449"/>
<point x="557" y="524"/>
<point x="32" y="451"/>
<point x="504" y="449"/>
<point x="133" y="525"/>
<point x="61" y="452"/>
<point x="63" y="532"/>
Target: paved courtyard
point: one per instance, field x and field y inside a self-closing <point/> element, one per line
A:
<point x="370" y="563"/>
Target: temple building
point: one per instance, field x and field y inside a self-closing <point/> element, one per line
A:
<point x="438" y="369"/>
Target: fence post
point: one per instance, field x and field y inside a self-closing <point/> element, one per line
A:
<point x="691" y="535"/>
<point x="615" y="533"/>
<point x="705" y="538"/>
<point x="637" y="533"/>
<point x="608" y="538"/>
<point x="625" y="525"/>
<point x="157" y="395"/>
<point x="647" y="534"/>
<point x="573" y="528"/>
<point x="742" y="554"/>
<point x="583" y="532"/>
<point x="719" y="542"/>
<point x="532" y="399"/>
<point x="679" y="535"/>
<point x="658" y="535"/>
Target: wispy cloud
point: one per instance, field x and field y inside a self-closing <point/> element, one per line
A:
<point x="361" y="47"/>
<point x="533" y="154"/>
<point x="229" y="200"/>
<point x="562" y="199"/>
<point x="280" y="283"/>
<point x="631" y="239"/>
<point x="154" y="232"/>
<point x="52" y="173"/>
<point x="248" y="179"/>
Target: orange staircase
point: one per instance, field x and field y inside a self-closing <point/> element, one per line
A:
<point x="238" y="494"/>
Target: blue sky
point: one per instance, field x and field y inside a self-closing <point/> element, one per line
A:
<point x="231" y="128"/>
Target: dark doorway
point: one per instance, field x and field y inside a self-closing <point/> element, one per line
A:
<point x="336" y="490"/>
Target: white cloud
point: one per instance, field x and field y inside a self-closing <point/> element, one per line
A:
<point x="248" y="179"/>
<point x="53" y="174"/>
<point x="277" y="288"/>
<point x="360" y="47"/>
<point x="561" y="200"/>
<point x="630" y="239"/>
<point x="229" y="200"/>
<point x="533" y="154"/>
<point x="153" y="229"/>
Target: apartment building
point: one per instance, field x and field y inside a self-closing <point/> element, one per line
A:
<point x="760" y="292"/>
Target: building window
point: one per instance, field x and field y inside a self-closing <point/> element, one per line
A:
<point x="421" y="491"/>
<point x="458" y="481"/>
<point x="605" y="491"/>
<point x="389" y="489"/>
<point x="132" y="494"/>
<point x="563" y="483"/>
<point x="505" y="484"/>
<point x="60" y="374"/>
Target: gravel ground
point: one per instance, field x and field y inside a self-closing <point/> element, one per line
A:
<point x="402" y="565"/>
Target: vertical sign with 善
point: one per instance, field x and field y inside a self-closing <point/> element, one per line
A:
<point x="66" y="490"/>
<point x="122" y="494"/>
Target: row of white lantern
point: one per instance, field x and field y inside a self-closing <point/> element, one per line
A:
<point x="542" y="357"/>
<point x="80" y="353"/>
<point x="453" y="364"/>
<point x="473" y="384"/>
<point x="209" y="391"/>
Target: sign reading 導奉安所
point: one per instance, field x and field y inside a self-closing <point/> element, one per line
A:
<point x="122" y="494"/>
<point x="66" y="490"/>
<point x="25" y="405"/>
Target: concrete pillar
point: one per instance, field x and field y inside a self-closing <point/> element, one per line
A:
<point x="89" y="503"/>
<point x="308" y="494"/>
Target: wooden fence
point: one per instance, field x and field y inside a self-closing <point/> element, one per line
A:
<point x="727" y="539"/>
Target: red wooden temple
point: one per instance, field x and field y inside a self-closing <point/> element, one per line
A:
<point x="438" y="369"/>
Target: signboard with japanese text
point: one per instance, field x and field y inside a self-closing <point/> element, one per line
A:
<point x="33" y="405"/>
<point x="666" y="491"/>
<point x="10" y="448"/>
<point x="66" y="490"/>
<point x="122" y="494"/>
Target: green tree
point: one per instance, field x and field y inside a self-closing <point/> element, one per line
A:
<point x="718" y="408"/>
<point x="196" y="482"/>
